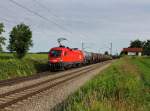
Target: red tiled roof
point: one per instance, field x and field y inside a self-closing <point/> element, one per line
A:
<point x="132" y="49"/>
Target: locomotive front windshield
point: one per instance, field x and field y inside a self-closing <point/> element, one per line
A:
<point x="55" y="53"/>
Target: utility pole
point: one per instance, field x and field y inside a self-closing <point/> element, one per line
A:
<point x="110" y="48"/>
<point x="82" y="45"/>
<point x="116" y="52"/>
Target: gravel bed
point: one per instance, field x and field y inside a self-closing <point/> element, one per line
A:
<point x="34" y="81"/>
<point x="47" y="100"/>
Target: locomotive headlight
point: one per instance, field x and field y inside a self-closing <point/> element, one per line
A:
<point x="60" y="60"/>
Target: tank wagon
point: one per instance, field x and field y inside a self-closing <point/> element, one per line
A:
<point x="61" y="58"/>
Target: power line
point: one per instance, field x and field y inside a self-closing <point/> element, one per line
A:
<point x="44" y="18"/>
<point x="9" y="22"/>
<point x="43" y="6"/>
<point x="39" y="15"/>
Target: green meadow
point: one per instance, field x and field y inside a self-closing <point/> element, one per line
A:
<point x="124" y="86"/>
<point x="11" y="67"/>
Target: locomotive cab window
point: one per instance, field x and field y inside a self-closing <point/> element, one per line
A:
<point x="55" y="53"/>
<point x="65" y="54"/>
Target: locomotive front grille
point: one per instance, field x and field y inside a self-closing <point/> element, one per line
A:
<point x="54" y="66"/>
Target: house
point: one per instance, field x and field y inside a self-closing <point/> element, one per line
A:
<point x="133" y="51"/>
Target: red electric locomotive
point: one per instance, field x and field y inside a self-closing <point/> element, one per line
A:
<point x="64" y="58"/>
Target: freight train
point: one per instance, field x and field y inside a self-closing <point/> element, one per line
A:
<point x="62" y="58"/>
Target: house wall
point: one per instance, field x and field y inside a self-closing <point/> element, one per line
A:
<point x="131" y="53"/>
<point x="134" y="53"/>
<point x="139" y="54"/>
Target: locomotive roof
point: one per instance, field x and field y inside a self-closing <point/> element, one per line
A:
<point x="64" y="48"/>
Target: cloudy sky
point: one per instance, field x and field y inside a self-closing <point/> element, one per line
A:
<point x="96" y="22"/>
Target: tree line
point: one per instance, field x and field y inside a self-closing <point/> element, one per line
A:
<point x="20" y="39"/>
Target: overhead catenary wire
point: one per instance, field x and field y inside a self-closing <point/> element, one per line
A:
<point x="43" y="6"/>
<point x="54" y="15"/>
<point x="9" y="22"/>
<point x="47" y="19"/>
<point x="39" y="15"/>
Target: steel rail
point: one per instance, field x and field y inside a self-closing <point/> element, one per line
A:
<point x="17" y="80"/>
<point x="30" y="94"/>
<point x="40" y="83"/>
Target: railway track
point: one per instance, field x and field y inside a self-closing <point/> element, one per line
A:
<point x="22" y="79"/>
<point x="17" y="80"/>
<point x="17" y="95"/>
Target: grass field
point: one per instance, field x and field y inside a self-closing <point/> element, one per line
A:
<point x="124" y="86"/>
<point x="10" y="67"/>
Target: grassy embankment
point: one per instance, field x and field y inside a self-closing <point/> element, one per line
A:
<point x="124" y="86"/>
<point x="10" y="67"/>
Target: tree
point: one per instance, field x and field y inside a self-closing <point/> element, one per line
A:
<point x="2" y="39"/>
<point x="136" y="44"/>
<point x="106" y="53"/>
<point x="20" y="40"/>
<point x="147" y="48"/>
